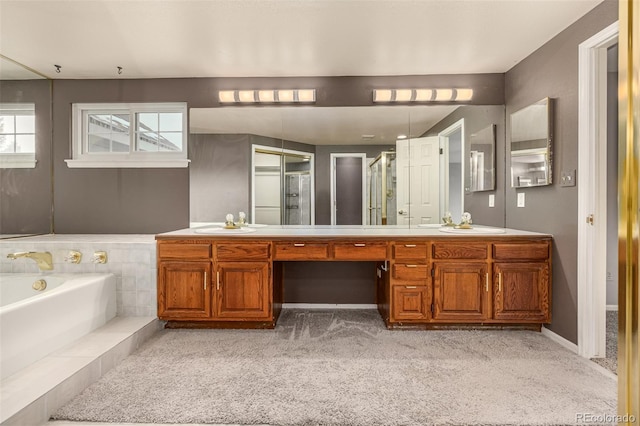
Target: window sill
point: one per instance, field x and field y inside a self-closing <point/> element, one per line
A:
<point x="123" y="164"/>
<point x="18" y="161"/>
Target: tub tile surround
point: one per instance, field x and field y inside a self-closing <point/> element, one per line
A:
<point x="30" y="396"/>
<point x="131" y="258"/>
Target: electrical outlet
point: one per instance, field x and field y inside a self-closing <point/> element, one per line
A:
<point x="568" y="178"/>
<point x="609" y="276"/>
<point x="520" y="199"/>
<point x="492" y="200"/>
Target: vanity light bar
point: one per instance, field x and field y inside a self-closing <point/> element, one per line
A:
<point x="422" y="95"/>
<point x="267" y="96"/>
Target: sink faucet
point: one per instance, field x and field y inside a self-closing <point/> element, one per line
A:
<point x="43" y="259"/>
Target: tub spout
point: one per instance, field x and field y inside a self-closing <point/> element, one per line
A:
<point x="42" y="258"/>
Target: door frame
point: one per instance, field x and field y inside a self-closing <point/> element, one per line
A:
<point x="592" y="192"/>
<point x="444" y="164"/>
<point x="332" y="174"/>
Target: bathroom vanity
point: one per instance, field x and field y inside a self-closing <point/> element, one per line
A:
<point x="424" y="277"/>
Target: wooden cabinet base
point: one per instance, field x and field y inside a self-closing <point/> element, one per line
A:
<point x="439" y="326"/>
<point x="222" y="324"/>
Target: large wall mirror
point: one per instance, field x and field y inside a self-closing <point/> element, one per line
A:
<point x="379" y="165"/>
<point x="25" y="151"/>
<point x="532" y="145"/>
<point x="482" y="157"/>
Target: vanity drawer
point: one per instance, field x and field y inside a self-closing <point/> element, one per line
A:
<point x="410" y="271"/>
<point x="410" y="250"/>
<point x="360" y="251"/>
<point x="240" y="252"/>
<point x="184" y="251"/>
<point x="521" y="251"/>
<point x="460" y="251"/>
<point x="301" y="251"/>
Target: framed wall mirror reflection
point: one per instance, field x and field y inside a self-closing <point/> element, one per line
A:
<point x="482" y="157"/>
<point x="532" y="145"/>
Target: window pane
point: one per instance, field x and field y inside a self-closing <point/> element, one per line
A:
<point x="26" y="143"/>
<point x="147" y="142"/>
<point x="119" y="146"/>
<point x="7" y="124"/>
<point x="121" y="123"/>
<point x="170" y="141"/>
<point x="99" y="143"/>
<point x="7" y="143"/>
<point x="99" y="123"/>
<point x="25" y="124"/>
<point x="170" y="122"/>
<point x="147" y="121"/>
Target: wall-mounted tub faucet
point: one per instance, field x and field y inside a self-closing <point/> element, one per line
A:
<point x="42" y="258"/>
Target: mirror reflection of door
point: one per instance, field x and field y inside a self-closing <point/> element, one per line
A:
<point x="452" y="168"/>
<point x="282" y="187"/>
<point x="418" y="164"/>
<point x="348" y="189"/>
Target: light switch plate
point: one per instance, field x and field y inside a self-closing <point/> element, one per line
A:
<point x="568" y="178"/>
<point x="520" y="199"/>
<point x="492" y="200"/>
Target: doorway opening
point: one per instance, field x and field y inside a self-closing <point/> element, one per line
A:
<point x="348" y="188"/>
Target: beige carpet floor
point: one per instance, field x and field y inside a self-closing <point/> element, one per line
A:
<point x="345" y="368"/>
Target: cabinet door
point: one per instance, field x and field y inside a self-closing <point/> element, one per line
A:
<point x="461" y="292"/>
<point x="243" y="291"/>
<point x="184" y="290"/>
<point x="410" y="302"/>
<point x="521" y="292"/>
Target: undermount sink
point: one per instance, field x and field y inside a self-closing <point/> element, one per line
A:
<point x="451" y="230"/>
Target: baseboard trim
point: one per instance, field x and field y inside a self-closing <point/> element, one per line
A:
<point x="612" y="307"/>
<point x="560" y="340"/>
<point x="328" y="306"/>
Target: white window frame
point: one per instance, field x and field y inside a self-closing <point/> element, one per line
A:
<point x="18" y="160"/>
<point x="82" y="158"/>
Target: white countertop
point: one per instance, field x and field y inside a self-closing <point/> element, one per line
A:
<point x="277" y="231"/>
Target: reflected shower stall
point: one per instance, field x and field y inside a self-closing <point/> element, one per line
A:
<point x="382" y="189"/>
<point x="282" y="188"/>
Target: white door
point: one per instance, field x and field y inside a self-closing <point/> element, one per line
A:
<point x="418" y="170"/>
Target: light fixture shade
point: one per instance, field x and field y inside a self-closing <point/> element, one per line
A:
<point x="226" y="96"/>
<point x="403" y="95"/>
<point x="246" y="96"/>
<point x="382" y="95"/>
<point x="464" y="94"/>
<point x="306" y="95"/>
<point x="444" y="95"/>
<point x="423" y="95"/>
<point x="285" y="95"/>
<point x="266" y="96"/>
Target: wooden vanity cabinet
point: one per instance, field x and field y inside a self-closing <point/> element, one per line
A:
<point x="410" y="283"/>
<point x="222" y="283"/>
<point x="184" y="281"/>
<point x="521" y="282"/>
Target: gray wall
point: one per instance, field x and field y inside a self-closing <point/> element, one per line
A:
<point x="477" y="118"/>
<point x="553" y="71"/>
<point x="25" y="194"/>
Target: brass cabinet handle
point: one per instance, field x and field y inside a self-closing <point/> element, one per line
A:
<point x="499" y="281"/>
<point x="410" y="245"/>
<point x="298" y="244"/>
<point x="411" y="266"/>
<point x="410" y="286"/>
<point x="205" y="280"/>
<point x="486" y="282"/>
<point x="217" y="280"/>
<point x="359" y="245"/>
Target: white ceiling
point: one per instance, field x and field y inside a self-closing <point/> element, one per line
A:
<point x="276" y="38"/>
